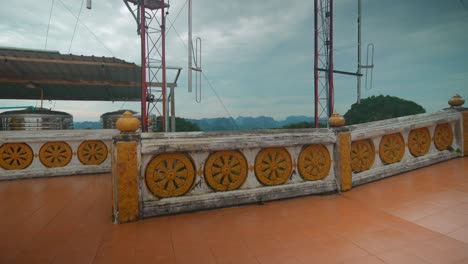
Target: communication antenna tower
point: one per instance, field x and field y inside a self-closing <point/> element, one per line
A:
<point x="323" y="63"/>
<point x="150" y="16"/>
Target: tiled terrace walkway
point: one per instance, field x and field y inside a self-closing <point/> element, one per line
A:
<point x="416" y="217"/>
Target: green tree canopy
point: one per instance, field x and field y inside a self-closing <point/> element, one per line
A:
<point x="303" y="125"/>
<point x="182" y="125"/>
<point x="381" y="107"/>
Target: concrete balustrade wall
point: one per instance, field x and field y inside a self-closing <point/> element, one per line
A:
<point x="389" y="147"/>
<point x="233" y="168"/>
<point x="30" y="154"/>
<point x="165" y="173"/>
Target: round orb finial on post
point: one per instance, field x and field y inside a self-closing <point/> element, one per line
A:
<point x="127" y="123"/>
<point x="456" y="101"/>
<point x="336" y="120"/>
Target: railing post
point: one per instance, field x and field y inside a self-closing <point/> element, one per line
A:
<point x="125" y="170"/>
<point x="456" y="102"/>
<point x="342" y="152"/>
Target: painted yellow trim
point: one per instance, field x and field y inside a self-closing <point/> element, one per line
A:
<point x="344" y="141"/>
<point x="127" y="181"/>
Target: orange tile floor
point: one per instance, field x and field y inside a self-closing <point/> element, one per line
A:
<point x="415" y="217"/>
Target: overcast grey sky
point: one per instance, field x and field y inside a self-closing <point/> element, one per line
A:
<point x="259" y="54"/>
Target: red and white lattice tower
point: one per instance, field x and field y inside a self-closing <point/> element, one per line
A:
<point x="151" y="21"/>
<point x="323" y="64"/>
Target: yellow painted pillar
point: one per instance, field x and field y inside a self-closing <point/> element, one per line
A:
<point x="125" y="170"/>
<point x="456" y="102"/>
<point x="342" y="153"/>
<point x="344" y="149"/>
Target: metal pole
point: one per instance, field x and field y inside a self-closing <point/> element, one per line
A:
<point x="144" y="119"/>
<point x="173" y="119"/>
<point x="330" y="73"/>
<point x="190" y="46"/>
<point x="163" y="65"/>
<point x="359" y="54"/>
<point x="316" y="62"/>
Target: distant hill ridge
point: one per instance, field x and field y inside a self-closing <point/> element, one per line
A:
<point x="223" y="123"/>
<point x="247" y="123"/>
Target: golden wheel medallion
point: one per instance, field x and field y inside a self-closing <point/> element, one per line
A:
<point x="314" y="162"/>
<point x="392" y="148"/>
<point x="419" y="141"/>
<point x="55" y="154"/>
<point x="92" y="152"/>
<point x="170" y="175"/>
<point x="226" y="170"/>
<point x="443" y="136"/>
<point x="273" y="166"/>
<point x="362" y="155"/>
<point x="15" y="156"/>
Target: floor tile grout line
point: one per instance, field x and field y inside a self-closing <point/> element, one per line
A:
<point x="101" y="239"/>
<point x="46" y="225"/>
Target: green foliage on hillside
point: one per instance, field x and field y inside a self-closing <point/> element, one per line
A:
<point x="381" y="107"/>
<point x="303" y="125"/>
<point x="182" y="125"/>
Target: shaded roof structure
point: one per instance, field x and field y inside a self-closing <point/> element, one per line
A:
<point x="25" y="74"/>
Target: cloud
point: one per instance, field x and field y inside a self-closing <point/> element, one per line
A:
<point x="258" y="55"/>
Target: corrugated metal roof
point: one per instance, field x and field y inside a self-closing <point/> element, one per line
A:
<point x="67" y="77"/>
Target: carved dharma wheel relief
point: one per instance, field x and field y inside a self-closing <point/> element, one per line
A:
<point x="314" y="162"/>
<point x="443" y="136"/>
<point x="273" y="166"/>
<point x="226" y="170"/>
<point x="392" y="148"/>
<point x="170" y="175"/>
<point x="15" y="156"/>
<point x="55" y="154"/>
<point x="362" y="155"/>
<point x="92" y="152"/>
<point x="419" y="142"/>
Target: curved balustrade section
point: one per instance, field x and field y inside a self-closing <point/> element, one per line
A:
<point x="389" y="147"/>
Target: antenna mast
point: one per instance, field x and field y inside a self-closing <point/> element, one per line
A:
<point x="323" y="64"/>
<point x="151" y="26"/>
<point x="194" y="59"/>
<point x="370" y="48"/>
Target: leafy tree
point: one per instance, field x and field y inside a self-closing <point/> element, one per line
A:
<point x="182" y="125"/>
<point x="381" y="107"/>
<point x="303" y="125"/>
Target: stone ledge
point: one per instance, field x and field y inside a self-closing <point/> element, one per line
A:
<point x="394" y="125"/>
<point x="154" y="146"/>
<point x="57" y="135"/>
<point x="234" y="198"/>
<point x="53" y="172"/>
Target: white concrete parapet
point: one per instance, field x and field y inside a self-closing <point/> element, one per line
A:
<point x="203" y="147"/>
<point x="419" y="137"/>
<point x="30" y="154"/>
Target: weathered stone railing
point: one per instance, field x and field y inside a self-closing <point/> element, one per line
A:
<point x="384" y="148"/>
<point x="193" y="171"/>
<point x="29" y="154"/>
<point x="165" y="173"/>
